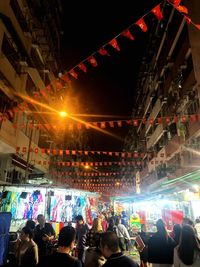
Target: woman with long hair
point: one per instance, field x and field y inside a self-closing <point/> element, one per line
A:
<point x="161" y="247"/>
<point x="188" y="251"/>
<point x="94" y="257"/>
<point x="26" y="251"/>
<point x="94" y="232"/>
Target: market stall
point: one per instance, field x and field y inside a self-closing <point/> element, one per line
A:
<point x="60" y="206"/>
<point x="147" y="212"/>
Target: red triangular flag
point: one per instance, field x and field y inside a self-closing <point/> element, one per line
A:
<point x="119" y="123"/>
<point x="111" y="123"/>
<point x="197" y="26"/>
<point x="58" y="85"/>
<point x="103" y="124"/>
<point x="49" y="89"/>
<point x="102" y="51"/>
<point x="175" y="2"/>
<point x="73" y="74"/>
<point x="82" y="67"/>
<point x="128" y="34"/>
<point x="182" y="9"/>
<point x="114" y="44"/>
<point x="157" y="12"/>
<point x="92" y="61"/>
<point x="188" y="20"/>
<point x="65" y="78"/>
<point x="141" y="23"/>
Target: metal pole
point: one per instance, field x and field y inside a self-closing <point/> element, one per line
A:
<point x="28" y="156"/>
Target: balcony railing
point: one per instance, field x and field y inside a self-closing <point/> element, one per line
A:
<point x="154" y="113"/>
<point x="155" y="136"/>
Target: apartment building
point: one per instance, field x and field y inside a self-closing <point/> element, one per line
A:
<point x="168" y="88"/>
<point x="29" y="61"/>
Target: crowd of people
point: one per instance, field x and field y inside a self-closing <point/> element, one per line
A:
<point x="105" y="243"/>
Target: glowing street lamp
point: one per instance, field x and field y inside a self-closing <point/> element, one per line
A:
<point x="63" y="114"/>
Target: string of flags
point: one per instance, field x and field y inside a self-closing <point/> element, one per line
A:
<point x="92" y="59"/>
<point x="135" y="122"/>
<point x="90" y="174"/>
<point x="92" y="164"/>
<point x="61" y="152"/>
<point x="97" y="164"/>
<point x="63" y="79"/>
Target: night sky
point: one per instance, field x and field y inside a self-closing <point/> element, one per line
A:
<point x="110" y="87"/>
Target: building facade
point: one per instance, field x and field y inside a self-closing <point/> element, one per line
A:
<point x="29" y="62"/>
<point x="167" y="102"/>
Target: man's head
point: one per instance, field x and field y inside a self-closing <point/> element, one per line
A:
<point x="67" y="237"/>
<point x="109" y="244"/>
<point x="41" y="219"/>
<point x="79" y="220"/>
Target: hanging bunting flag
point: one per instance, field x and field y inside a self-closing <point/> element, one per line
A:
<point x="58" y="85"/>
<point x="43" y="93"/>
<point x="182" y="9"/>
<point x="168" y="120"/>
<point x="175" y="2"/>
<point x="102" y="51"/>
<point x="49" y="89"/>
<point x="141" y="23"/>
<point x="92" y="61"/>
<point x="135" y="122"/>
<point x="184" y="119"/>
<point x="188" y="20"/>
<point x="65" y="78"/>
<point x="73" y="74"/>
<point x="82" y="67"/>
<point x="114" y="44"/>
<point x="103" y="125"/>
<point x="128" y="34"/>
<point x="193" y="118"/>
<point x="111" y="124"/>
<point x="144" y="120"/>
<point x="157" y="12"/>
<point x="95" y="124"/>
<point x="119" y="123"/>
<point x="79" y="126"/>
<point x="197" y="26"/>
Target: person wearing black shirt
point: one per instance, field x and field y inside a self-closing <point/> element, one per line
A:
<point x="43" y="235"/>
<point x="82" y="230"/>
<point x="62" y="257"/>
<point x="161" y="247"/>
<point x="110" y="249"/>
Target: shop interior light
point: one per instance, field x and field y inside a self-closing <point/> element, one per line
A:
<point x="196" y="187"/>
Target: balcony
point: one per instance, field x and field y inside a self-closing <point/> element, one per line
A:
<point x="155" y="136"/>
<point x="10" y="138"/>
<point x="154" y="113"/>
<point x="173" y="145"/>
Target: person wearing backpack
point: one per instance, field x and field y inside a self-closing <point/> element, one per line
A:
<point x="122" y="234"/>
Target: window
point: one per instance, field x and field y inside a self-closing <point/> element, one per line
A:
<point x="30" y="86"/>
<point x="10" y="51"/>
<point x="19" y="15"/>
